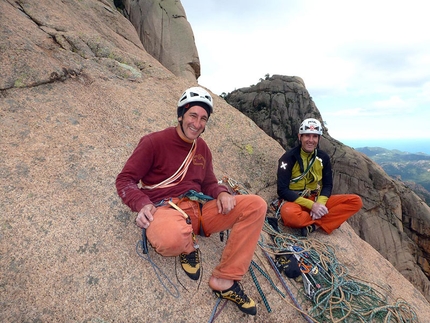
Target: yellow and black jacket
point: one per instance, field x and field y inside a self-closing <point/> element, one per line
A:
<point x="300" y="172"/>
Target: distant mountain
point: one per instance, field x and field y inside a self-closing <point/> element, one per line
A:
<point x="412" y="169"/>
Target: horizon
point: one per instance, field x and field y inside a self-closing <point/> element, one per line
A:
<point x="413" y="146"/>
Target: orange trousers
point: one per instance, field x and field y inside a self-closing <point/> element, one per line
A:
<point x="340" y="208"/>
<point x="170" y="235"/>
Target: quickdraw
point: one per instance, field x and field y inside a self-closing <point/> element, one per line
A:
<point x="234" y="186"/>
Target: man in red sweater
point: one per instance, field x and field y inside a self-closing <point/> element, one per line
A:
<point x="161" y="180"/>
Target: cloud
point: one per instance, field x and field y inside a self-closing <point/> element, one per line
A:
<point x="363" y="63"/>
<point x="392" y="103"/>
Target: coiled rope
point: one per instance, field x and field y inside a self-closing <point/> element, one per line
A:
<point x="337" y="296"/>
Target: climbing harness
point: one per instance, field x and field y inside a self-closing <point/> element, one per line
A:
<point x="197" y="196"/>
<point x="201" y="199"/>
<point x="309" y="193"/>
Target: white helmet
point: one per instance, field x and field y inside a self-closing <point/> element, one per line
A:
<point x="193" y="95"/>
<point x="310" y="125"/>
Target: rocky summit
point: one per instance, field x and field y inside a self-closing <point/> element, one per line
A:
<point x="78" y="89"/>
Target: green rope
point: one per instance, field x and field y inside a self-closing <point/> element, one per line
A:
<point x="267" y="277"/>
<point x="260" y="291"/>
<point x="258" y="286"/>
<point x="335" y="296"/>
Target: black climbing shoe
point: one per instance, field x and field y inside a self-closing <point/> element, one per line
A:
<point x="237" y="296"/>
<point x="306" y="230"/>
<point x="191" y="264"/>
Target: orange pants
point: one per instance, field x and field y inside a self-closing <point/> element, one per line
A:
<point x="340" y="208"/>
<point x="170" y="235"/>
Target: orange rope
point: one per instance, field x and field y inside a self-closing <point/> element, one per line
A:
<point x="180" y="173"/>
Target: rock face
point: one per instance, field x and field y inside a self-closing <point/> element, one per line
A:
<point x="166" y="34"/>
<point x="394" y="220"/>
<point x="276" y="104"/>
<point x="77" y="91"/>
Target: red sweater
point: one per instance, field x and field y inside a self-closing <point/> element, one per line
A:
<point x="159" y="155"/>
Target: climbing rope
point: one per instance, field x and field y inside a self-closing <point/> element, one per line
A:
<point x="260" y="291"/>
<point x="288" y="290"/>
<point x="158" y="272"/>
<point x="265" y="275"/>
<point x="214" y="313"/>
<point x="334" y="294"/>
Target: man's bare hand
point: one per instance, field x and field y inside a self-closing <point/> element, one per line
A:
<point x="225" y="202"/>
<point x="318" y="211"/>
<point x="145" y="216"/>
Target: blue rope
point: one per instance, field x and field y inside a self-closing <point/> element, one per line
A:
<point x="159" y="273"/>
<point x="212" y="317"/>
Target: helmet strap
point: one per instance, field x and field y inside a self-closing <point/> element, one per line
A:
<point x="182" y="128"/>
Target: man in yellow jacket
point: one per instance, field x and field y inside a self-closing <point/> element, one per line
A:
<point x="305" y="183"/>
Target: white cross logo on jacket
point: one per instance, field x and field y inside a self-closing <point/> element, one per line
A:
<point x="283" y="165"/>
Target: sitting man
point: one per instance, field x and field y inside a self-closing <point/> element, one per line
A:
<point x="166" y="168"/>
<point x="305" y="183"/>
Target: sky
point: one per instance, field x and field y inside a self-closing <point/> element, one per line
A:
<point x="366" y="64"/>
